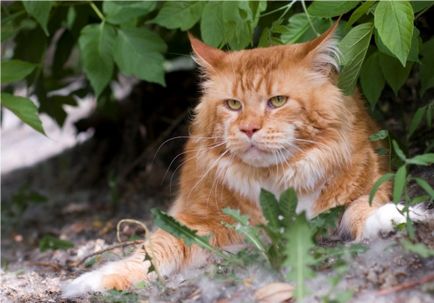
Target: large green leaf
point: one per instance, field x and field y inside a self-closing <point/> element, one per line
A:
<point x="371" y="79"/>
<point x="96" y="46"/>
<point x="118" y="12"/>
<point x="421" y="5"/>
<point x="15" y="70"/>
<point x="354" y="47"/>
<point x="377" y="185"/>
<point x="239" y="23"/>
<point x="170" y="225"/>
<point x="288" y="205"/>
<point x="393" y="72"/>
<point x="138" y="52"/>
<point x="212" y="27"/>
<point x="331" y="8"/>
<point x="300" y="30"/>
<point x="179" y="14"/>
<point x="413" y="56"/>
<point x="394" y="23"/>
<point x="359" y="12"/>
<point x="298" y="256"/>
<point x="40" y="10"/>
<point x="24" y="109"/>
<point x="270" y="209"/>
<point x="426" y="66"/>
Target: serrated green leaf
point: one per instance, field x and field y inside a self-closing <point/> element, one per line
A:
<point x="40" y="10"/>
<point x="300" y="30"/>
<point x="179" y="14"/>
<point x="243" y="227"/>
<point x="175" y="228"/>
<point x="298" y="256"/>
<point x="426" y="66"/>
<point x="288" y="204"/>
<point x="270" y="209"/>
<point x="393" y="72"/>
<point x="413" y="56"/>
<point x="425" y="185"/>
<point x="425" y="159"/>
<point x="416" y="120"/>
<point x="371" y="79"/>
<point x="399" y="183"/>
<point x="377" y="185"/>
<point x="331" y="8"/>
<point x="118" y="12"/>
<point x="24" y="109"/>
<point x="380" y="135"/>
<point x="138" y="52"/>
<point x="398" y="150"/>
<point x="239" y="23"/>
<point x="354" y="47"/>
<point x="394" y="23"/>
<point x="15" y="70"/>
<point x="96" y="44"/>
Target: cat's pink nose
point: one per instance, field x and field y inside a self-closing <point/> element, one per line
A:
<point x="249" y="131"/>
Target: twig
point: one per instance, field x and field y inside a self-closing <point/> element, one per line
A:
<point x="99" y="252"/>
<point x="53" y="266"/>
<point x="407" y="285"/>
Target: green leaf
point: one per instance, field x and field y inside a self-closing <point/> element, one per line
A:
<point x="394" y="23"/>
<point x="117" y="12"/>
<point x="359" y="12"/>
<point x="426" y="66"/>
<point x="270" y="209"/>
<point x="15" y="70"/>
<point x="24" y="109"/>
<point x="398" y="150"/>
<point x="96" y="44"/>
<point x="399" y="183"/>
<point x="421" y="5"/>
<point x="288" y="204"/>
<point x="393" y="72"/>
<point x="300" y="30"/>
<point x="298" y="256"/>
<point x="380" y="135"/>
<point x="425" y="185"/>
<point x="413" y="56"/>
<point x="371" y="79"/>
<point x="40" y="10"/>
<point x="418" y="248"/>
<point x="331" y="8"/>
<point x="425" y="159"/>
<point x="138" y="52"/>
<point x="416" y="120"/>
<point x="175" y="228"/>
<point x="377" y="185"/>
<point x="239" y="23"/>
<point x="179" y="14"/>
<point x="49" y="242"/>
<point x="243" y="227"/>
<point x="212" y="27"/>
<point x="354" y="47"/>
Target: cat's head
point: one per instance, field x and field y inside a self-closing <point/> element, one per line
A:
<point x="266" y="105"/>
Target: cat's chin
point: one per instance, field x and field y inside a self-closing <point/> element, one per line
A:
<point x="259" y="158"/>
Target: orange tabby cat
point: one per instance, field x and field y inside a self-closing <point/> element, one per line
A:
<point x="269" y="118"/>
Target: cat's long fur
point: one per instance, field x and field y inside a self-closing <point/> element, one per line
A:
<point x="317" y="143"/>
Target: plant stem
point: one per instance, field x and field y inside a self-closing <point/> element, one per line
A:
<point x="308" y="18"/>
<point x="97" y="11"/>
<point x="288" y="7"/>
<point x="277" y="9"/>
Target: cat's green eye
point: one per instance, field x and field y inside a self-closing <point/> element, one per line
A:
<point x="277" y="101"/>
<point x="233" y="104"/>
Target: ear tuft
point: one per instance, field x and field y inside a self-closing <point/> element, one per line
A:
<point x="323" y="52"/>
<point x="205" y="55"/>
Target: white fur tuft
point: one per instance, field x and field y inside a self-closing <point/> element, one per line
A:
<point x="88" y="282"/>
<point x="387" y="216"/>
<point x="327" y="55"/>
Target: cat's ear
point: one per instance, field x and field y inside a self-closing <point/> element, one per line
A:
<point x="322" y="53"/>
<point x="205" y="55"/>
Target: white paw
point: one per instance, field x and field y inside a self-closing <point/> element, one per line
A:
<point x="88" y="282"/>
<point x="385" y="218"/>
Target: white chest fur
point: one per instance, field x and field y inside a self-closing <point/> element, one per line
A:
<point x="250" y="187"/>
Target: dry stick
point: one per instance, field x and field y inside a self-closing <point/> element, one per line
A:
<point x="99" y="252"/>
<point x="406" y="285"/>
